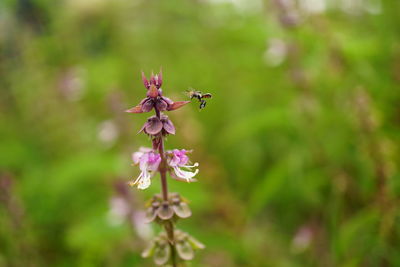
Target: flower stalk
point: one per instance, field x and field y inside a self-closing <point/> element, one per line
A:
<point x="173" y="246"/>
<point x="169" y="227"/>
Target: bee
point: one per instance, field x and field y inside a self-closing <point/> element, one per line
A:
<point x="199" y="96"/>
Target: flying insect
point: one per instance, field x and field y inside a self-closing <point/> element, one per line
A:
<point x="199" y="96"/>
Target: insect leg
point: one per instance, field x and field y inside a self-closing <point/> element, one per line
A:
<point x="202" y="104"/>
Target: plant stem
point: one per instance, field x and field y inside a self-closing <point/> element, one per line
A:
<point x="169" y="226"/>
<point x="163" y="171"/>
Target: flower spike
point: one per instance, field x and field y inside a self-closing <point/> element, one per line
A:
<point x="172" y="246"/>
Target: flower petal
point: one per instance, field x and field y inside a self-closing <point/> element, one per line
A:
<point x="147" y="105"/>
<point x="136" y="157"/>
<point x="145" y="81"/>
<point x="159" y="79"/>
<point x="162" y="253"/>
<point x="136" y="109"/>
<point x="153" y="125"/>
<point x="144" y="182"/>
<point x="151" y="214"/>
<point x="161" y="105"/>
<point x="185" y="250"/>
<point x="169" y="126"/>
<point x="182" y="210"/>
<point x="185" y="174"/>
<point x="165" y="212"/>
<point x="173" y="176"/>
<point x="177" y="105"/>
<point x="166" y="99"/>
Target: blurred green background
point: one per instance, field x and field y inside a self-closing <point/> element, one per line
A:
<point x="298" y="148"/>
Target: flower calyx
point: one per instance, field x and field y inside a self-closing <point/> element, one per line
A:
<point x="161" y="210"/>
<point x="154" y="126"/>
<point x="160" y="249"/>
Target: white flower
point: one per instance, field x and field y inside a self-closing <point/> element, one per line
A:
<point x="148" y="163"/>
<point x="178" y="160"/>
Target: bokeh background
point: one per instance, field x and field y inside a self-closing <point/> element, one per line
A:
<point x="298" y="148"/>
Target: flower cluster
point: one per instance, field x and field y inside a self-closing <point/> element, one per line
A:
<point x="149" y="161"/>
<point x="165" y="208"/>
<point x="154" y="97"/>
<point x="154" y="126"/>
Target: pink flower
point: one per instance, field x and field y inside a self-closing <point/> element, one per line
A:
<point x="148" y="163"/>
<point x="178" y="161"/>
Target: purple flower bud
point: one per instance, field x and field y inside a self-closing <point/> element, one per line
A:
<point x="152" y="78"/>
<point x="159" y="79"/>
<point x="145" y="81"/>
<point x="154" y="97"/>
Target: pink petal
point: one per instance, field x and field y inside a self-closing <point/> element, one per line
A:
<point x="147" y="105"/>
<point x="137" y="109"/>
<point x="159" y="79"/>
<point x="136" y="157"/>
<point x="153" y="126"/>
<point x="145" y="81"/>
<point x="169" y="126"/>
<point x="161" y="105"/>
<point x="177" y="105"/>
<point x="166" y="99"/>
